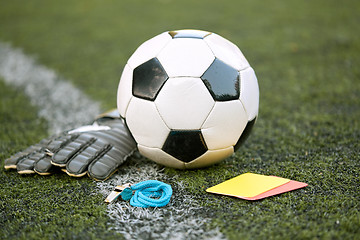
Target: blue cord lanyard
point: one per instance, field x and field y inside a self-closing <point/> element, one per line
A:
<point x="150" y="193"/>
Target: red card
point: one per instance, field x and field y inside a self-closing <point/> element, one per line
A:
<point x="292" y="185"/>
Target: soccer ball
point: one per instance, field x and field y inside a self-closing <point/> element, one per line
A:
<point x="189" y="98"/>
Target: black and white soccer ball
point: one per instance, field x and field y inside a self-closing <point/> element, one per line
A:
<point x="189" y="98"/>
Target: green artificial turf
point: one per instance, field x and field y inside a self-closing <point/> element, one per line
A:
<point x="306" y="57"/>
<point x="42" y="207"/>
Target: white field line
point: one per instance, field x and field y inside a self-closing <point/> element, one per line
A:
<point x="58" y="101"/>
<point x="66" y="107"/>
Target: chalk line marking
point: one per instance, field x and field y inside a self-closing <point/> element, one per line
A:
<point x="65" y="107"/>
<point x="58" y="101"/>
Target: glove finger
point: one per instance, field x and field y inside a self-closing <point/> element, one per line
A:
<point x="26" y="165"/>
<point x="59" y="142"/>
<point x="61" y="157"/>
<point x="102" y="168"/>
<point x="78" y="165"/>
<point x="11" y="162"/>
<point x="43" y="166"/>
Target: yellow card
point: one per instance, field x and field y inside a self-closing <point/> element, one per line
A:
<point x="247" y="185"/>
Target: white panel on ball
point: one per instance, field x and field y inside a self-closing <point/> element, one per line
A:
<point x="186" y="57"/>
<point x="224" y="125"/>
<point x="149" y="49"/>
<point x="161" y="157"/>
<point x="249" y="93"/>
<point x="210" y="157"/>
<point x="145" y="123"/>
<point x="124" y="93"/>
<point x="226" y="51"/>
<point x="184" y="103"/>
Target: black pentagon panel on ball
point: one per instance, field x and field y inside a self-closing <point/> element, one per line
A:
<point x="222" y="80"/>
<point x="189" y="34"/>
<point x="185" y="145"/>
<point x="245" y="134"/>
<point x="148" y="79"/>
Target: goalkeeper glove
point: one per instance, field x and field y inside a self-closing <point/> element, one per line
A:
<point x="97" y="149"/>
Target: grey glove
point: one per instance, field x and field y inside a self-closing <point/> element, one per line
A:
<point x="97" y="149"/>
